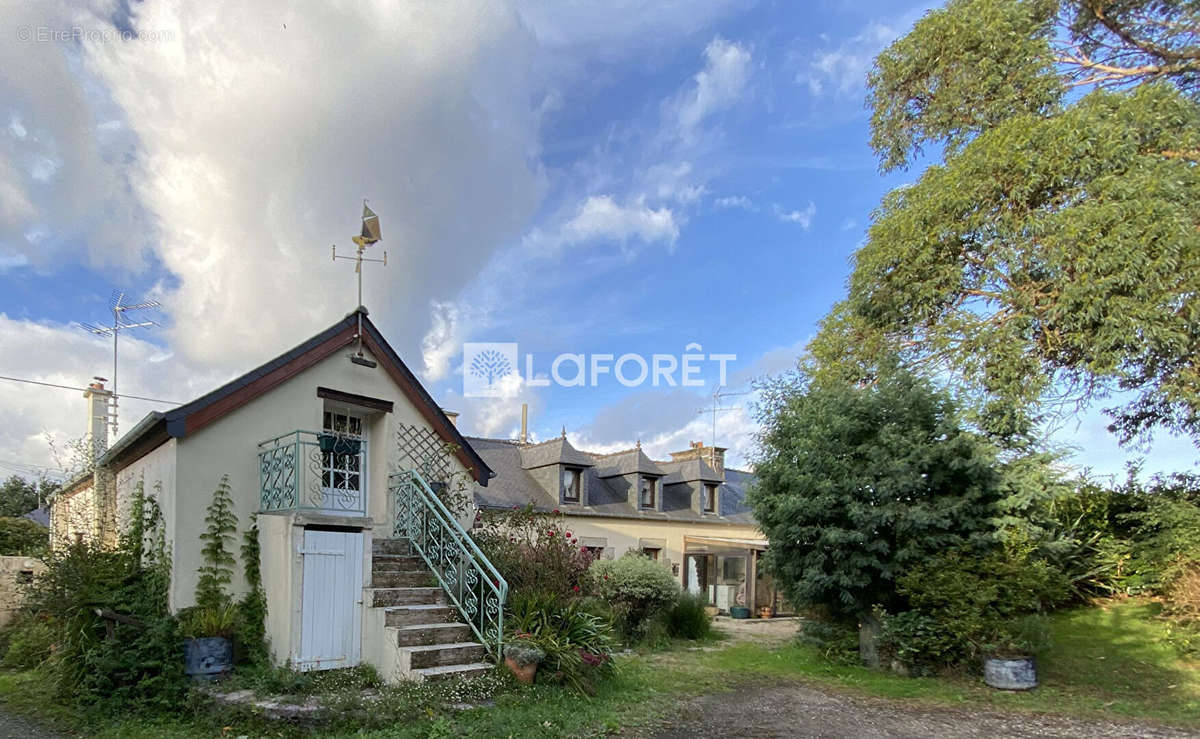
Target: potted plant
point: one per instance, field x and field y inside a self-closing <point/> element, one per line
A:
<point x="208" y="651"/>
<point x="523" y="657"/>
<point x="1009" y="663"/>
<point x="338" y="444"/>
<point x="766" y="612"/>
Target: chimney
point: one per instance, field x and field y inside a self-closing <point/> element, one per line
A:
<point x="713" y="455"/>
<point x="524" y="423"/>
<point x="452" y="415"/>
<point x="97" y="421"/>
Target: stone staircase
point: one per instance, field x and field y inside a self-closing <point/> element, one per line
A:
<point x="430" y="642"/>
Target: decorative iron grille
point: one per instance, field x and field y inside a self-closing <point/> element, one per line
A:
<point x="469" y="579"/>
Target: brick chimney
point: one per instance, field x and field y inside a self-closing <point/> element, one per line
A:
<point x="713" y="455"/>
<point x="97" y="420"/>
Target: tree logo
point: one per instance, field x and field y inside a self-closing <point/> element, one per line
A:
<point x="485" y="365"/>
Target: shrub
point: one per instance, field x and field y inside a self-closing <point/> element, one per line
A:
<point x="688" y="619"/>
<point x="30" y="641"/>
<point x="836" y="640"/>
<point x="638" y="589"/>
<point x="965" y="604"/>
<point x="217" y="571"/>
<point x="22" y="537"/>
<point x="535" y="552"/>
<point x="134" y="663"/>
<point x="577" y="646"/>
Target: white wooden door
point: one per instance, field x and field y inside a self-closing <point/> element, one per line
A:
<point x="331" y="600"/>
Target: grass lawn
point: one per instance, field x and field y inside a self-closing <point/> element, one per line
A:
<point x="1108" y="661"/>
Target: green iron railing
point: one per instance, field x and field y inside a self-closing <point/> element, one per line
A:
<point x="469" y="579"/>
<point x="295" y="473"/>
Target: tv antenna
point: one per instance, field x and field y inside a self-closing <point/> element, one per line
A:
<point x="120" y="308"/>
<point x="716" y="408"/>
<point x="370" y="234"/>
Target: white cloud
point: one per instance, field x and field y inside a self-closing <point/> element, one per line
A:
<point x="66" y="355"/>
<point x="601" y="217"/>
<point x="843" y="70"/>
<point x="717" y="86"/>
<point x="803" y="218"/>
<point x="240" y="150"/>
<point x="734" y="201"/>
<point x="442" y="342"/>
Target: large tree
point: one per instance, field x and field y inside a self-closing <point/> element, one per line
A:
<point x="857" y="483"/>
<point x="1054" y="252"/>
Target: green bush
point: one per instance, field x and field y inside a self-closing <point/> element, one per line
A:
<point x="577" y="645"/>
<point x="638" y="588"/>
<point x="29" y="642"/>
<point x="836" y="640"/>
<point x="22" y="537"/>
<point x="111" y="665"/>
<point x="963" y="605"/>
<point x="688" y="619"/>
<point x="535" y="552"/>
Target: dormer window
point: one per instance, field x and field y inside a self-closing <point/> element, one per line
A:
<point x="572" y="484"/>
<point x="649" y="493"/>
<point x="710" y="497"/>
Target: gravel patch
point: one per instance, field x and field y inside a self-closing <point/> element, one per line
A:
<point x="801" y="711"/>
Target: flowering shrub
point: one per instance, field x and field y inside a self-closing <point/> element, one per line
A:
<point x="535" y="552"/>
<point x="638" y="588"/>
<point x="576" y="645"/>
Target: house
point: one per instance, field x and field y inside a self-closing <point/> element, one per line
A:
<point x="689" y="512"/>
<point x="335" y="448"/>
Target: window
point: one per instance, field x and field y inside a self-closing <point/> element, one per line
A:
<point x="710" y="498"/>
<point x="572" y="483"/>
<point x="651" y="552"/>
<point x="649" y="492"/>
<point x="342" y="474"/>
<point x="594" y="553"/>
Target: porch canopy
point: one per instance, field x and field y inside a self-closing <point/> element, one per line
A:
<point x="707" y="543"/>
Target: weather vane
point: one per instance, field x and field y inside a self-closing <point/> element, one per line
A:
<point x="370" y="234"/>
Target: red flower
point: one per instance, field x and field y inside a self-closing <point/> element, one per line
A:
<point x="550" y="532"/>
<point x="556" y="512"/>
<point x="516" y="508"/>
<point x="567" y="534"/>
<point x="576" y="588"/>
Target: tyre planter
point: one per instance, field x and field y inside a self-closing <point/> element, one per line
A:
<point x="207" y="658"/>
<point x="1010" y="673"/>
<point x="523" y="673"/>
<point x="739" y="611"/>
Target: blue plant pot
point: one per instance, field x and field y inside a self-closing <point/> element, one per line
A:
<point x="739" y="611"/>
<point x="207" y="658"/>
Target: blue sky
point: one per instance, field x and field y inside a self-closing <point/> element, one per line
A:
<point x="621" y="177"/>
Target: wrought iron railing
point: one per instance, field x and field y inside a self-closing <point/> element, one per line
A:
<point x="296" y="474"/>
<point x="469" y="579"/>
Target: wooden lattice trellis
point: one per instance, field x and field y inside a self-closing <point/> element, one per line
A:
<point x="419" y="448"/>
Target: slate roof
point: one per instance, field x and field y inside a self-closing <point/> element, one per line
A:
<point x="514" y="485"/>
<point x="555" y="451"/>
<point x="157" y="427"/>
<point x="627" y="462"/>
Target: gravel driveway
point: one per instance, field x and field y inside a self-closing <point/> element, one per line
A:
<point x="801" y="711"/>
<point x="17" y="727"/>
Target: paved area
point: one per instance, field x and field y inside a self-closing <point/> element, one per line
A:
<point x="802" y="711"/>
<point x="17" y="727"/>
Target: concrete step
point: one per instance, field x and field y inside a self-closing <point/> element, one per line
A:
<point x="423" y="596"/>
<point x="396" y="563"/>
<point x="403" y="579"/>
<point x="417" y="635"/>
<point x="390" y="546"/>
<point x="447" y="672"/>
<point x="399" y="616"/>
<point x="439" y="655"/>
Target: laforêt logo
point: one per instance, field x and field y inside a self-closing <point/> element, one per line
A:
<point x="485" y="365"/>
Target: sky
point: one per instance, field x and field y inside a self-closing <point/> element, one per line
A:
<point x="579" y="178"/>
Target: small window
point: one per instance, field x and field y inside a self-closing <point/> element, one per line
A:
<point x="649" y="492"/>
<point x="651" y="552"/>
<point x="710" y="498"/>
<point x="572" y="483"/>
<point x="594" y="553"/>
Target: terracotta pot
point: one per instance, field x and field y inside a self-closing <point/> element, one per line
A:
<point x="766" y="612"/>
<point x="523" y="673"/>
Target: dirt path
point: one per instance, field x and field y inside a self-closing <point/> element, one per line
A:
<point x="802" y="711"/>
<point x="769" y="633"/>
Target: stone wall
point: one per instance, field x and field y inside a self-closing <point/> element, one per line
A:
<point x="15" y="574"/>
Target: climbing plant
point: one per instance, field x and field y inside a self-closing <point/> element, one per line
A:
<point x="217" y="571"/>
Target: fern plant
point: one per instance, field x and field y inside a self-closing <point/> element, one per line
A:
<point x="217" y="571"/>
